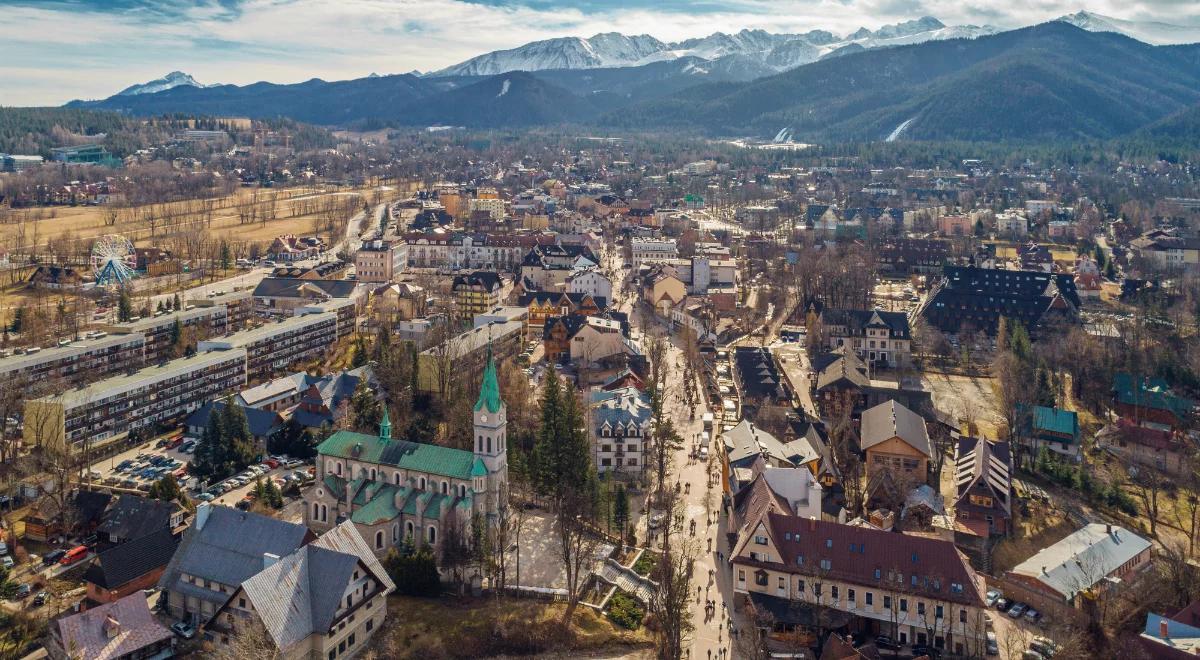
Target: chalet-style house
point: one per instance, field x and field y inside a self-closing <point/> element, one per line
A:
<point x="620" y="430"/>
<point x="968" y="297"/>
<point x="983" y="486"/>
<point x="880" y="338"/>
<point x="897" y="447"/>
<point x="1054" y="429"/>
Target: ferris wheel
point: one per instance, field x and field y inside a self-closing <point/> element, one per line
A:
<point x="113" y="260"/>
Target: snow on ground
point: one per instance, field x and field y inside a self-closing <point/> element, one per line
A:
<point x="504" y="88"/>
<point x="894" y="135"/>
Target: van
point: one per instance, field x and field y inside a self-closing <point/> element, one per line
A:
<point x="73" y="555"/>
<point x="704" y="453"/>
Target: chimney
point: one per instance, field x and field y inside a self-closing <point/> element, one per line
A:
<point x="269" y="560"/>
<point x="202" y="512"/>
<point x="1163" y="629"/>
<point x="1108" y="528"/>
<point x="812" y="524"/>
<point x="112" y="627"/>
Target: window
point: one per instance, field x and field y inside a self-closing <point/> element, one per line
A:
<point x="370" y="624"/>
<point x="870" y="598"/>
<point x="445" y="488"/>
<point x="877" y="574"/>
<point x="782" y="583"/>
<point x="825" y="564"/>
<point x="938" y="612"/>
<point x="741" y="575"/>
<point x="850" y="595"/>
<point x="920" y="608"/>
<point x="408" y="529"/>
<point x="332" y="654"/>
<point x="887" y="602"/>
<point x="242" y="603"/>
<point x="342" y="646"/>
<point x="350" y="640"/>
<point x="962" y="616"/>
<point x="379" y="540"/>
<point x="422" y="483"/>
<point x="799" y="560"/>
<point x="760" y="540"/>
<point x="800" y="587"/>
<point x="833" y="591"/>
<point x="432" y="535"/>
<point x="903" y="604"/>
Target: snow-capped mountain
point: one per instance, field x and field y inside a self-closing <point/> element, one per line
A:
<point x="610" y="49"/>
<point x="1151" y="32"/>
<point x="757" y="52"/>
<point x="169" y="81"/>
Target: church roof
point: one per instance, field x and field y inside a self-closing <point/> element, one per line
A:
<point x="489" y="391"/>
<point x="430" y="459"/>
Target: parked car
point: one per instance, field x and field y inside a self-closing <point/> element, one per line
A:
<point x="993" y="648"/>
<point x="183" y="629"/>
<point x="22" y="592"/>
<point x="921" y="649"/>
<point x="1017" y="610"/>
<point x="40" y="599"/>
<point x="123" y="465"/>
<point x="991" y="597"/>
<point x="1032" y="615"/>
<point x="206" y="497"/>
<point x="1043" y="647"/>
<point x="885" y="642"/>
<point x="74" y="555"/>
<point x="3" y="548"/>
<point x="1003" y="604"/>
<point x="7" y="561"/>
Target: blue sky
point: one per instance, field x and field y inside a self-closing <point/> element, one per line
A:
<point x="52" y="51"/>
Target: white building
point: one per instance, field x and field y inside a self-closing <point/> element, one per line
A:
<point x="650" y="250"/>
<point x="1012" y="223"/>
<point x="1035" y="207"/>
<point x="590" y="281"/>
<point x="620" y="429"/>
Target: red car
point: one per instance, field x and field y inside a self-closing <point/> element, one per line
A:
<point x="272" y="463"/>
<point x="175" y="442"/>
<point x="73" y="555"/>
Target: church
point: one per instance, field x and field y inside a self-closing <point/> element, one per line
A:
<point x="394" y="490"/>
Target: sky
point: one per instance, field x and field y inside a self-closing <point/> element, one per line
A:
<point x="52" y="51"/>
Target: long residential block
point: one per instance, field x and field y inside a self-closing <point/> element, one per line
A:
<point x="277" y="346"/>
<point x="115" y="406"/>
<point x="158" y="329"/>
<point x="92" y="358"/>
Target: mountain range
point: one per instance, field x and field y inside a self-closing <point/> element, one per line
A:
<point x="169" y="81"/>
<point x="1053" y="81"/>
<point x="757" y="51"/>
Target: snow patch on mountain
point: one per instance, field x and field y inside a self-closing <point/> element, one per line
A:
<point x="1151" y="32"/>
<point x="169" y="81"/>
<point x="899" y="130"/>
<point x="754" y="52"/>
<point x="504" y="87"/>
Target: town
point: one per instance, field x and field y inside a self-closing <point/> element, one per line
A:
<point x="271" y="392"/>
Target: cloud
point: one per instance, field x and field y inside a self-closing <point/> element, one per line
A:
<point x="57" y="50"/>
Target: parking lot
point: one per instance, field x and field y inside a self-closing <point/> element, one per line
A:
<point x="139" y="467"/>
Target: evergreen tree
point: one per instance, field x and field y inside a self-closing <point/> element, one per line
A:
<point x="359" y="357"/>
<point x="226" y="255"/>
<point x="18" y="320"/>
<point x="1045" y="388"/>
<point x="124" y="306"/>
<point x="207" y="460"/>
<point x="166" y="490"/>
<point x="621" y="510"/>
<point x="561" y="457"/>
<point x="178" y="304"/>
<point x="365" y="411"/>
<point x="414" y="570"/>
<point x="176" y="334"/>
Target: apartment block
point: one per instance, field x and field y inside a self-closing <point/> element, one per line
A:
<point x="277" y="346"/>
<point x="97" y="356"/>
<point x="380" y="261"/>
<point x="158" y="329"/>
<point x="115" y="406"/>
<point x="239" y="307"/>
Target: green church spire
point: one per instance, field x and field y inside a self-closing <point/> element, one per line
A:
<point x="385" y="426"/>
<point x="489" y="391"/>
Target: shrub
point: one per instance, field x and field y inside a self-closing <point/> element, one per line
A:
<point x="645" y="564"/>
<point x="624" y="611"/>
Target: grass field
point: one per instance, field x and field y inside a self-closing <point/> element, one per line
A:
<point x="287" y="210"/>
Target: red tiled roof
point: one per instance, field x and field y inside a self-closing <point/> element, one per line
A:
<point x="855" y="553"/>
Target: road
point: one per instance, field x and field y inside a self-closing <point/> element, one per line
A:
<point x="700" y="503"/>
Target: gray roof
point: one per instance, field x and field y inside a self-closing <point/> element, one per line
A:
<point x="620" y="407"/>
<point x="345" y="538"/>
<point x="227" y="545"/>
<point x="891" y="420"/>
<point x="1082" y="559"/>
<point x="289" y="287"/>
<point x="299" y="594"/>
<point x="745" y="442"/>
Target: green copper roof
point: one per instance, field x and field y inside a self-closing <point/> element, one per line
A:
<point x="385" y="426"/>
<point x="489" y="392"/>
<point x="479" y="470"/>
<point x="429" y="459"/>
<point x="381" y="507"/>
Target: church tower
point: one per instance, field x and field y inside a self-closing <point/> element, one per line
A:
<point x="491" y="442"/>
